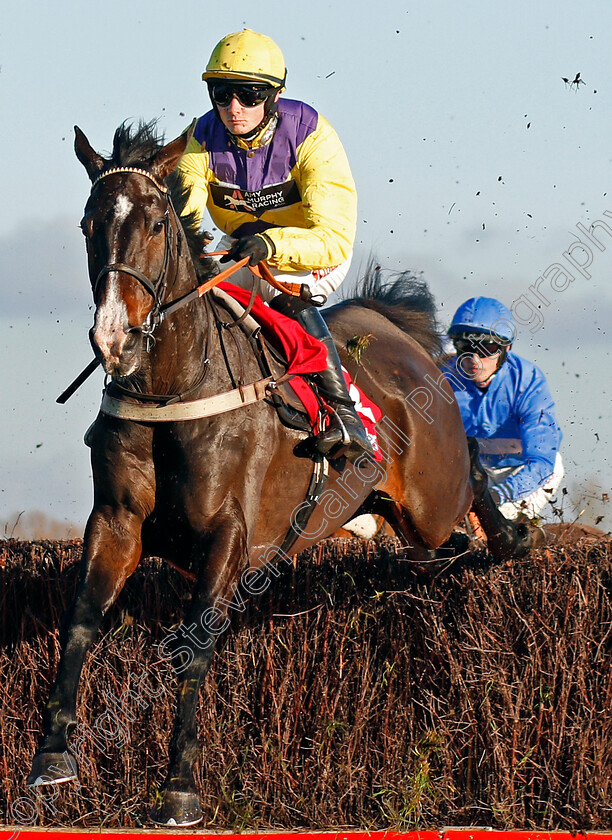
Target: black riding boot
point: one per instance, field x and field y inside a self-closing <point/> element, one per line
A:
<point x="345" y="434"/>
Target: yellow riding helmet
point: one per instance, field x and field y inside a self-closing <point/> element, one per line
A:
<point x="247" y="56"/>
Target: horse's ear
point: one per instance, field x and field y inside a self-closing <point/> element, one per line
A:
<point x="91" y="160"/>
<point x="167" y="158"/>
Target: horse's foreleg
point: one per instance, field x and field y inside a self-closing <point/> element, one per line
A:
<point x="192" y="648"/>
<point x="504" y="537"/>
<point x="111" y="553"/>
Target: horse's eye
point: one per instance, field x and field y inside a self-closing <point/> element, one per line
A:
<point x="158" y="226"/>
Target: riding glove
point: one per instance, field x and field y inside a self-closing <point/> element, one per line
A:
<point x="257" y="248"/>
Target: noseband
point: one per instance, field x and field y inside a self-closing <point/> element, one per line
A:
<point x="154" y="288"/>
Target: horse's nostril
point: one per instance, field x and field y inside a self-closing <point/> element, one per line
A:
<point x="132" y="336"/>
<point x="92" y="340"/>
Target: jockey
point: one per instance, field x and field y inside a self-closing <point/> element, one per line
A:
<point x="275" y="179"/>
<point x="506" y="405"/>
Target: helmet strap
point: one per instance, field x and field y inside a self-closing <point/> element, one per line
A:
<point x="270" y="112"/>
<point x="264" y="132"/>
<point x="502" y="357"/>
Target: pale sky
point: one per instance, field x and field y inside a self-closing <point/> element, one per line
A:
<point x="474" y="163"/>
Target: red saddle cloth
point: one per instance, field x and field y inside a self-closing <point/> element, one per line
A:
<point x="305" y="354"/>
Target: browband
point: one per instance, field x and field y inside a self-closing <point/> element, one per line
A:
<point x="119" y="169"/>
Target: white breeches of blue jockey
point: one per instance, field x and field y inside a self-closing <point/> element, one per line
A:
<point x="532" y="504"/>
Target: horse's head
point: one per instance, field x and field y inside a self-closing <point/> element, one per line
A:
<point x="131" y="232"/>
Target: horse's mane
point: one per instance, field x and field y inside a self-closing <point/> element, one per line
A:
<point x="137" y="146"/>
<point x="405" y="300"/>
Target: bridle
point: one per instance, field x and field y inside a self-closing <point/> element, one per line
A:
<point x="155" y="288"/>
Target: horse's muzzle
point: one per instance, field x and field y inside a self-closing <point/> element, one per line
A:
<point x="119" y="354"/>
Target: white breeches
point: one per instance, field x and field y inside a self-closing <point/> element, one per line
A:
<point x="364" y="527"/>
<point x="532" y="504"/>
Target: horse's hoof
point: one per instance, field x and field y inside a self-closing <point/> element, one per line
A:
<point x="177" y="808"/>
<point x="52" y="768"/>
<point x="531" y="536"/>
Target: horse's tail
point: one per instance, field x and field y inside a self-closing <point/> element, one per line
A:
<point x="405" y="300"/>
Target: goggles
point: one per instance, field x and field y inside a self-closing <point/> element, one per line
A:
<point x="482" y="349"/>
<point x="249" y="95"/>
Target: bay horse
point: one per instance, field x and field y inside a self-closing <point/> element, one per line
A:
<point x="216" y="495"/>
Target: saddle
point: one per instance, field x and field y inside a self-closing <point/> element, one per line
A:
<point x="285" y="351"/>
<point x="272" y="359"/>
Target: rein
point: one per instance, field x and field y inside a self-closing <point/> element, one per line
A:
<point x="163" y="311"/>
<point x="260" y="271"/>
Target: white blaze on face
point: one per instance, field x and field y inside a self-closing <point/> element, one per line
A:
<point x="123" y="206"/>
<point x="111" y="323"/>
<point x="111" y="319"/>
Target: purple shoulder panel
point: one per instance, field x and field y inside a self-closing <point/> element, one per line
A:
<point x="264" y="166"/>
<point x="303" y="117"/>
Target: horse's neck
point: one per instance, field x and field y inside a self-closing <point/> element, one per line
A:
<point x="179" y="346"/>
<point x="189" y="351"/>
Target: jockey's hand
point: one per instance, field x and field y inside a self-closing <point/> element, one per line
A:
<point x="257" y="248"/>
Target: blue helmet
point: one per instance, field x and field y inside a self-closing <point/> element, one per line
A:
<point x="484" y="315"/>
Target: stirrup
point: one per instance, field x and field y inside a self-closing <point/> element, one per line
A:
<point x="351" y="446"/>
<point x="329" y="448"/>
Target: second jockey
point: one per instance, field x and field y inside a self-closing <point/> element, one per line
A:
<point x="275" y="179"/>
<point x="506" y="405"/>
